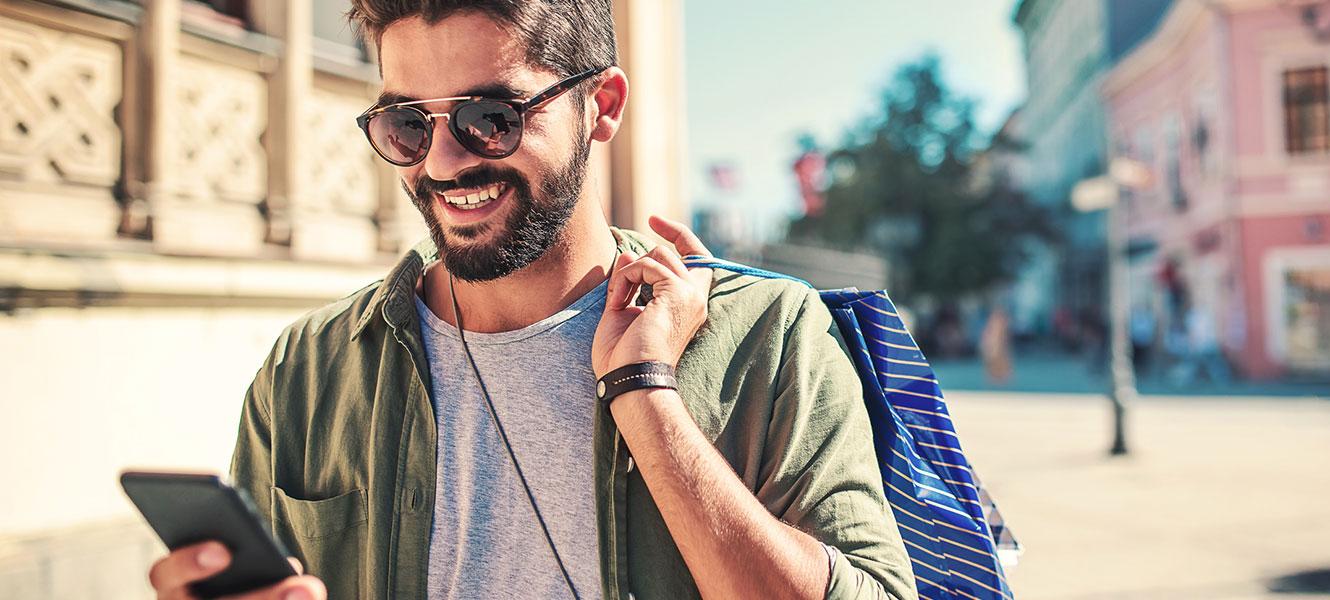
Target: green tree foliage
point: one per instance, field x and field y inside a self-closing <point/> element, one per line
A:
<point x="914" y="186"/>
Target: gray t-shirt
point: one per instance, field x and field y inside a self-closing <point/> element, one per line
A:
<point x="486" y="541"/>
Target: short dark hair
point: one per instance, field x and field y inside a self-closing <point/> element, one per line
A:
<point x="564" y="36"/>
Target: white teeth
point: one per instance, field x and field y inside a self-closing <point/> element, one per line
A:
<point x="476" y="200"/>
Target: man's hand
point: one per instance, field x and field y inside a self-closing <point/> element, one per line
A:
<point x="171" y="576"/>
<point x="733" y="546"/>
<point x="660" y="330"/>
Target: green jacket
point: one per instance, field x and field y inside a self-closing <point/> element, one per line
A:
<point x="337" y="442"/>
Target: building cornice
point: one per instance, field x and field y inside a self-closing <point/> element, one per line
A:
<point x="1181" y="19"/>
<point x="38" y="278"/>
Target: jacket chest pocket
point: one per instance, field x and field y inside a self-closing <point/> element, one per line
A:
<point x="328" y="536"/>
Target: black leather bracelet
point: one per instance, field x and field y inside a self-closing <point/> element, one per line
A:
<point x="636" y="376"/>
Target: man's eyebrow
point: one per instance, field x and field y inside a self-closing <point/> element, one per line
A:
<point x="387" y="98"/>
<point x="498" y="90"/>
<point x="490" y="90"/>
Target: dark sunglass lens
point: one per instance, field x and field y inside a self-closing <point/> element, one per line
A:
<point x="401" y="135"/>
<point x="491" y="129"/>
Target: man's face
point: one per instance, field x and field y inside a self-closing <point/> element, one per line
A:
<point x="468" y="54"/>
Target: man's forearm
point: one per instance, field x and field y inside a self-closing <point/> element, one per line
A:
<point x="733" y="547"/>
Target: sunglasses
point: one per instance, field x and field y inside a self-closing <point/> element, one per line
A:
<point x="487" y="127"/>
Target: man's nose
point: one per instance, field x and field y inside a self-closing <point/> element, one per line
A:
<point x="446" y="157"/>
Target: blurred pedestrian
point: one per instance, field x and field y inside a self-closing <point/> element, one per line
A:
<point x="1065" y="329"/>
<point x="1094" y="339"/>
<point x="995" y="346"/>
<point x="949" y="333"/>
<point x="1144" y="327"/>
<point x="1203" y="356"/>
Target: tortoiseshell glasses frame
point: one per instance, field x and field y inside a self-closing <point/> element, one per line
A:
<point x="490" y="128"/>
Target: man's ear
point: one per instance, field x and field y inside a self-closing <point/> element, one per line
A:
<point x="607" y="104"/>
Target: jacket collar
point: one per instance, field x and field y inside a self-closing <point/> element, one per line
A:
<point x="393" y="300"/>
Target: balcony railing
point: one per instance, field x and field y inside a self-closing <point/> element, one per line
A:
<point x="134" y="126"/>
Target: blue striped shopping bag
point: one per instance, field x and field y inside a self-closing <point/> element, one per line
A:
<point x="952" y="530"/>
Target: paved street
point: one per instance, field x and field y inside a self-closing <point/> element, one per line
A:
<point x="1219" y="498"/>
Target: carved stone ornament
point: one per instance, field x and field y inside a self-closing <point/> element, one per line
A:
<point x="59" y="141"/>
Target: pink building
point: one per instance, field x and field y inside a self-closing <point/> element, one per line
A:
<point x="1229" y="103"/>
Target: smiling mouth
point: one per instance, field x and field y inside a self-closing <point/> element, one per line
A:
<point x="475" y="199"/>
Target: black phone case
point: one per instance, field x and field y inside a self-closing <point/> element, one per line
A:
<point x="186" y="508"/>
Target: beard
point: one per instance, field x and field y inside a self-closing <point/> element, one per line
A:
<point x="535" y="220"/>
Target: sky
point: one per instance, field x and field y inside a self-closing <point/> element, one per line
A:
<point x="760" y="72"/>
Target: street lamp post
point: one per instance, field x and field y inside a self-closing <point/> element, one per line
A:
<point x="1120" y="362"/>
<point x="1105" y="193"/>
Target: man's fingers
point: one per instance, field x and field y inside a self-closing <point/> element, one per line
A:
<point x="615" y="292"/>
<point x="665" y="256"/>
<point x="171" y="575"/>
<point x="300" y="587"/>
<point x="179" y="593"/>
<point x="624" y="259"/>
<point x="303" y="587"/>
<point x="645" y="270"/>
<point x="683" y="238"/>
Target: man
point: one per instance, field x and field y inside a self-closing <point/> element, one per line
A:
<point x="443" y="433"/>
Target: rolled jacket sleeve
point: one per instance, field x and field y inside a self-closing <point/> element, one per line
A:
<point x="820" y="470"/>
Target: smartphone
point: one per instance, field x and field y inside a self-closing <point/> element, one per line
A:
<point x="187" y="508"/>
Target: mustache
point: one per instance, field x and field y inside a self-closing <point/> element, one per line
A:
<point x="477" y="177"/>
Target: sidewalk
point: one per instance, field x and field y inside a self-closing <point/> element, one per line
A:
<point x="1043" y="371"/>
<point x="1219" y="497"/>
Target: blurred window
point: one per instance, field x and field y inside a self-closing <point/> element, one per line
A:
<point x="1307" y="110"/>
<point x="227" y="18"/>
<point x="234" y="13"/>
<point x="333" y="36"/>
<point x="1173" y="162"/>
<point x="1204" y="106"/>
<point x="1143" y="149"/>
<point x="1307" y="317"/>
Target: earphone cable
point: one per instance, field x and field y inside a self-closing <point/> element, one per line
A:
<point x="503" y="435"/>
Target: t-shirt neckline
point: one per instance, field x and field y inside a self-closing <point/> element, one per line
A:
<point x="588" y="301"/>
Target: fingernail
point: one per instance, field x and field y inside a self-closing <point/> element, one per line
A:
<point x="297" y="594"/>
<point x="212" y="557"/>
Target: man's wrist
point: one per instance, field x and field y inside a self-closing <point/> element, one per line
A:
<point x="637" y="401"/>
<point x="646" y="395"/>
<point x="635" y="376"/>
